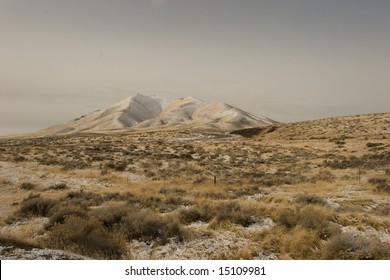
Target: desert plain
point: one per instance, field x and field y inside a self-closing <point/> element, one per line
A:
<point x="308" y="190"/>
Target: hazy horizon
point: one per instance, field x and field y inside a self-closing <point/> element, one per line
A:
<point x="289" y="60"/>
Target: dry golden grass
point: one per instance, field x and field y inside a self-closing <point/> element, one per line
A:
<point x="301" y="243"/>
<point x="312" y="180"/>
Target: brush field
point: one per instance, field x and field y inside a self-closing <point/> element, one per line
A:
<point x="309" y="190"/>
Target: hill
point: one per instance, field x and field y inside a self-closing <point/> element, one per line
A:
<point x="373" y="126"/>
<point x="150" y="112"/>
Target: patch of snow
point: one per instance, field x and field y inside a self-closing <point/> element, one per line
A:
<point x="266" y="256"/>
<point x="141" y="250"/>
<point x="255" y="197"/>
<point x="226" y="158"/>
<point x="331" y="203"/>
<point x="223" y="243"/>
<point x="198" y="224"/>
<point x="369" y="232"/>
<point x="11" y="253"/>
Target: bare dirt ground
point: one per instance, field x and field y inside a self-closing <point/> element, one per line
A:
<point x="310" y="190"/>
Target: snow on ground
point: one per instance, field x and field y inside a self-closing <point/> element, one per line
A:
<point x="44" y="179"/>
<point x="367" y="232"/>
<point x="212" y="244"/>
<point x="12" y="253"/>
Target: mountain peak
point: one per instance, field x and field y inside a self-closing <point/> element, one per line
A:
<point x="191" y="98"/>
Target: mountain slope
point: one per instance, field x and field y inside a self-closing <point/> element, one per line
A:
<point x="370" y="126"/>
<point x="143" y="112"/>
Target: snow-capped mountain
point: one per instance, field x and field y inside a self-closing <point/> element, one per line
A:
<point x="141" y="112"/>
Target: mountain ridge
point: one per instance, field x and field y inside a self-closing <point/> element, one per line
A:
<point x="151" y="112"/>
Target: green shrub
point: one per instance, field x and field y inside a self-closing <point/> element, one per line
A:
<point x="176" y="201"/>
<point x="309" y="217"/>
<point x="287" y="218"/>
<point x="27" y="186"/>
<point x="382" y="184"/>
<point x="149" y="226"/>
<point x="191" y="215"/>
<point x="310" y="199"/>
<point x="159" y="203"/>
<point x="59" y="186"/>
<point x="174" y="191"/>
<point x="118" y="196"/>
<point x="86" y="236"/>
<point x="324" y="175"/>
<point x="314" y="218"/>
<point x="277" y="179"/>
<point x="236" y="192"/>
<point x="111" y="215"/>
<point x="215" y="195"/>
<point x="346" y="246"/>
<point x="373" y="145"/>
<point x="60" y="212"/>
<point x="199" y="180"/>
<point x="234" y="212"/>
<point x="230" y="211"/>
<point x="85" y="198"/>
<point x="377" y="181"/>
<point x="36" y="205"/>
<point x="119" y="166"/>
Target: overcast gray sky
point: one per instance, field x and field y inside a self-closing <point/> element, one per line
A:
<point x="289" y="60"/>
